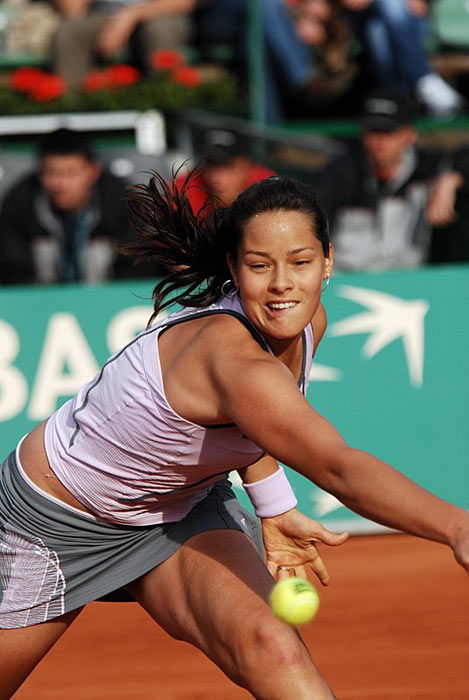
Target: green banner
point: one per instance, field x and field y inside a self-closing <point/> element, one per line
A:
<point x="391" y="373"/>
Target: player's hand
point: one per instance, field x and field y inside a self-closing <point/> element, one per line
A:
<point x="460" y="547"/>
<point x="290" y="540"/>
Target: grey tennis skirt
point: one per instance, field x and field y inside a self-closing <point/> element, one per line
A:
<point x="53" y="560"/>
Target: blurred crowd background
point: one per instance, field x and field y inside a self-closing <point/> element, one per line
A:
<point x="367" y="99"/>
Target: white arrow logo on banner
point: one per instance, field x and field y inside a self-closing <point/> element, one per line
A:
<point x="388" y="318"/>
<point x="325" y="503"/>
<point x="321" y="373"/>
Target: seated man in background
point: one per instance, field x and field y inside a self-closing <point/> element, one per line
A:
<point x="226" y="169"/>
<point x="384" y="195"/>
<point x="450" y="240"/>
<point x="62" y="223"/>
<point x="103" y="28"/>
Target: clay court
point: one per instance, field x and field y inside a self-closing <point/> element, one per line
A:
<point x="393" y="625"/>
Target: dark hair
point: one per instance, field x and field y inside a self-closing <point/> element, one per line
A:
<point x="65" y="142"/>
<point x="194" y="247"/>
<point x="275" y="194"/>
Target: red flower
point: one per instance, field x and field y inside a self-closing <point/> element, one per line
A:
<point x="166" y="59"/>
<point x="96" y="80"/>
<point x="187" y="76"/>
<point x="123" y="75"/>
<point x="48" y="88"/>
<point x="24" y="79"/>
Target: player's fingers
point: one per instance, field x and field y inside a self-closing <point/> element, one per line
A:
<point x="320" y="570"/>
<point x="301" y="571"/>
<point x="280" y="572"/>
<point x="272" y="567"/>
<point x="333" y="539"/>
<point x="284" y="572"/>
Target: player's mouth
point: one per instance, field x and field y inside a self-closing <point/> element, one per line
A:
<point x="278" y="308"/>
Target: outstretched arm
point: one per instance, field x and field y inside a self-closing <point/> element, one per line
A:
<point x="262" y="398"/>
<point x="290" y="537"/>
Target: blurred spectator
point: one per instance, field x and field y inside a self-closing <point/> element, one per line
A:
<point x="291" y="69"/>
<point x="28" y="27"/>
<point x="62" y="222"/>
<point x="450" y="243"/>
<point x="225" y="170"/>
<point x="103" y="28"/>
<point x="384" y="194"/>
<point x="322" y="25"/>
<point x="393" y="34"/>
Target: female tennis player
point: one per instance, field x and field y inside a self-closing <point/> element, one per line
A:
<point x="125" y="487"/>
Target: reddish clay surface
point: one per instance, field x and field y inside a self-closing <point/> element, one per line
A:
<point x="393" y="625"/>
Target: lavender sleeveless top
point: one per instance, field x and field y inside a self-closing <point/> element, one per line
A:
<point x="123" y="452"/>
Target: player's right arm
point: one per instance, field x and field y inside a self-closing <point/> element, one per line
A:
<point x="261" y="397"/>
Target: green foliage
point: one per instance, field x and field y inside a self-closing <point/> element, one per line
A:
<point x="159" y="91"/>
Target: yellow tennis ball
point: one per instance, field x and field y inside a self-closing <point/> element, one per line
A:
<point x="294" y="600"/>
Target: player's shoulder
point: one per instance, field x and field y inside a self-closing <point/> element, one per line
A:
<point x="228" y="332"/>
<point x="234" y="358"/>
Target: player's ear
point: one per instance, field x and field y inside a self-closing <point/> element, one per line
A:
<point x="330" y="261"/>
<point x="232" y="266"/>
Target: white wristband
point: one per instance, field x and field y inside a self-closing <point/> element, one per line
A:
<point x="271" y="496"/>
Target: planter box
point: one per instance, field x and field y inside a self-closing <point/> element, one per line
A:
<point x="149" y="126"/>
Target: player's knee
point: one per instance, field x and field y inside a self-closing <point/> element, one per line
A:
<point x="280" y="643"/>
<point x="275" y="643"/>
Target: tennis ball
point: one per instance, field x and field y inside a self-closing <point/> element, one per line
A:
<point x="294" y="600"/>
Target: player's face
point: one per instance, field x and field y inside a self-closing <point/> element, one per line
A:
<point x="280" y="271"/>
<point x="68" y="180"/>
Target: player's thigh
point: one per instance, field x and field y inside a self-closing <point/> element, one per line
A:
<point x="209" y="588"/>
<point x="213" y="592"/>
<point x="21" y="650"/>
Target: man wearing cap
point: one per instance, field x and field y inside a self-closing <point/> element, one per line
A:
<point x="384" y="195"/>
<point x="225" y="171"/>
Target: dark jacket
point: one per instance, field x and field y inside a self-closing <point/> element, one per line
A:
<point x="450" y="244"/>
<point x="377" y="225"/>
<point x="33" y="240"/>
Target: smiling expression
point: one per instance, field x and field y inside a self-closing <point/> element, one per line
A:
<point x="280" y="271"/>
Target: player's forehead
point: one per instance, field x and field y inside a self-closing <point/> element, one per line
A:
<point x="281" y="230"/>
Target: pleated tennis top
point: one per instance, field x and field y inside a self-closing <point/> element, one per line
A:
<point x="123" y="452"/>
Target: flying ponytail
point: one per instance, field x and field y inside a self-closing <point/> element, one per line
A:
<point x="188" y="245"/>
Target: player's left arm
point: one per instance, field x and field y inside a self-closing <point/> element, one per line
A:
<point x="290" y="538"/>
<point x="268" y="465"/>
